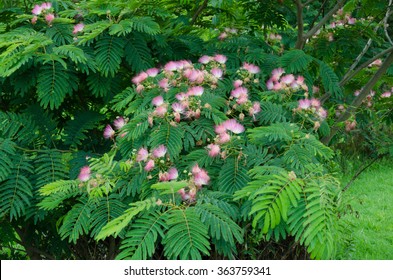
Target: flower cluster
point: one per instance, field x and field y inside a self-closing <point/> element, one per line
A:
<point x="341" y="20"/>
<point x="118" y="123"/>
<point x="279" y="81"/>
<point x="151" y="159"/>
<point x="78" y="28"/>
<point x="198" y="178"/>
<point x="227" y="32"/>
<point x="45" y="9"/>
<point x="370" y="97"/>
<point x="312" y="106"/>
<point x="84" y="174"/>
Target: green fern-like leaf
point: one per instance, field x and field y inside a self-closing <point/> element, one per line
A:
<point x="19" y="128"/>
<point x="57" y="192"/>
<point x="274" y="133"/>
<point x="115" y="226"/>
<point x="170" y="136"/>
<point x="75" y="53"/>
<point x="137" y="53"/>
<point x="140" y="241"/>
<point x="76" y="129"/>
<point x="7" y="151"/>
<point x="272" y="113"/>
<point x="295" y="61"/>
<point x="219" y="224"/>
<point x="50" y="167"/>
<point x="187" y="236"/>
<point x="109" y="52"/>
<point x="77" y="222"/>
<point x="330" y="80"/>
<point x="53" y="84"/>
<point x="106" y="209"/>
<point x="233" y="176"/>
<point x="16" y="190"/>
<point x="169" y="187"/>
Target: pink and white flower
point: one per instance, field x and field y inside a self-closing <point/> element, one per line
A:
<point x="139" y="78"/>
<point x="37" y="10"/>
<point x="234" y="126"/>
<point x="173" y="174"/>
<point x="158" y="101"/>
<point x="142" y="155"/>
<point x="195" y="91"/>
<point x="109" y="132"/>
<point x="277" y="73"/>
<point x="304" y="104"/>
<point x="251" y="68"/>
<point x="214" y="150"/>
<point x="160" y="151"/>
<point x="220" y="58"/>
<point x="49" y="17"/>
<point x="152" y="72"/>
<point x="149" y="165"/>
<point x="84" y="174"/>
<point x="217" y="72"/>
<point x="78" y="28"/>
<point x="119" y="122"/>
<point x="205" y="59"/>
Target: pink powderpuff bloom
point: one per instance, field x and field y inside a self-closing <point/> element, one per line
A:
<point x="163" y="177"/>
<point x="288" y="79"/>
<point x="223" y="138"/>
<point x="119" y="122"/>
<point x="277" y="73"/>
<point x="34" y="20"/>
<point x="178" y="108"/>
<point x="237" y="92"/>
<point x="237" y="83"/>
<point x="46" y="6"/>
<point x="205" y="59"/>
<point x="149" y="165"/>
<point x="109" y="132"/>
<point x="78" y="28"/>
<point x="171" y="66"/>
<point x="139" y="78"/>
<point x="195" y="169"/>
<point x="195" y="91"/>
<point x="181" y="96"/>
<point x="152" y="72"/>
<point x="160" y="111"/>
<point x="84" y="174"/>
<point x="49" y="17"/>
<point x="217" y="72"/>
<point x="164" y="83"/>
<point x="304" y="104"/>
<point x="214" y="150"/>
<point x="234" y="126"/>
<point x="158" y="101"/>
<point x="270" y="84"/>
<point x="315" y="103"/>
<point x="160" y="151"/>
<point x="277" y="86"/>
<point x="220" y="129"/>
<point x="201" y="178"/>
<point x="142" y="155"/>
<point x="242" y="99"/>
<point x="139" y="88"/>
<point x="194" y="75"/>
<point x="220" y="58"/>
<point x="386" y="94"/>
<point x="255" y="109"/>
<point x="222" y="36"/>
<point x="251" y="68"/>
<point x="37" y="10"/>
<point x="322" y="113"/>
<point x="300" y="80"/>
<point x="351" y="20"/>
<point x="356" y="93"/>
<point x="172" y="174"/>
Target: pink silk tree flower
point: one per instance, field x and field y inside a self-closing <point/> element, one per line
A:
<point x="78" y="28"/>
<point x="214" y="150"/>
<point x="152" y="72"/>
<point x="195" y="169"/>
<point x="315" y="103"/>
<point x="386" y="94"/>
<point x="195" y="91"/>
<point x="171" y="66"/>
<point x="34" y="20"/>
<point x="163" y="176"/>
<point x="201" y="178"/>
<point x="164" y="83"/>
<point x="270" y="84"/>
<point x="49" y="17"/>
<point x="172" y="174"/>
<point x="277" y="73"/>
<point x="178" y="108"/>
<point x="205" y="59"/>
<point x="149" y="165"/>
<point x="220" y="128"/>
<point x="322" y="113"/>
<point x="217" y="72"/>
<point x="119" y="122"/>
<point x="223" y="138"/>
<point x="46" y="6"/>
<point x="234" y="126"/>
<point x="220" y="58"/>
<point x="237" y="92"/>
<point x="139" y="78"/>
<point x="251" y="68"/>
<point x="158" y="101"/>
<point x="160" y="151"/>
<point x="109" y="132"/>
<point x="37" y="10"/>
<point x="142" y="155"/>
<point x="255" y="109"/>
<point x="237" y="83"/>
<point x="84" y="174"/>
<point x="160" y="111"/>
<point x="304" y="104"/>
<point x="222" y="36"/>
<point x="288" y="79"/>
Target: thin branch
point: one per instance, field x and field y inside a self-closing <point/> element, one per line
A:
<point x="359" y="99"/>
<point x="198" y="12"/>
<point x="319" y="13"/>
<point x="385" y="22"/>
<point x="300" y="24"/>
<point x="323" y="21"/>
<point x="308" y="3"/>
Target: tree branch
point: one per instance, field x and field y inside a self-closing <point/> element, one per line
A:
<point x="300" y="25"/>
<point x="385" y="22"/>
<point x="359" y="99"/>
<point x="198" y="12"/>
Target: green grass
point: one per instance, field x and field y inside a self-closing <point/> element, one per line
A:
<point x="368" y="215"/>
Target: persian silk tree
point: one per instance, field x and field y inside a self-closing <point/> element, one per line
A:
<point x="200" y="151"/>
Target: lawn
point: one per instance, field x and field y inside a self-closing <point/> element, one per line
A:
<point x="368" y="215"/>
